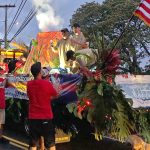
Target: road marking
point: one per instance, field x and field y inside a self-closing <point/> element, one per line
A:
<point x="16" y="145"/>
<point x="25" y="146"/>
<point x="15" y="141"/>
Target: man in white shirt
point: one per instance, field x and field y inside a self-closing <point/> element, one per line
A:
<point x="62" y="47"/>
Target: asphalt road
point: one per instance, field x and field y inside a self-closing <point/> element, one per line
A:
<point x="8" y="147"/>
<point x="80" y="143"/>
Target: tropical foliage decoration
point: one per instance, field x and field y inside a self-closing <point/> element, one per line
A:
<point x="102" y="103"/>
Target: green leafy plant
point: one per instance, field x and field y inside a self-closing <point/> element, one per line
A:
<point x="102" y="102"/>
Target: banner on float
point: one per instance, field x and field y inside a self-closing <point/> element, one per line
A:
<point x="15" y="93"/>
<point x="19" y="78"/>
<point x="17" y="87"/>
<point x="65" y="85"/>
<point x="137" y="88"/>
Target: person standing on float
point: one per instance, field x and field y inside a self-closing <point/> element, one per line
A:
<point x="62" y="47"/>
<point x="78" y="40"/>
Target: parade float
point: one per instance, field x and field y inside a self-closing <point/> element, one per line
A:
<point x="96" y="101"/>
<point x="17" y="100"/>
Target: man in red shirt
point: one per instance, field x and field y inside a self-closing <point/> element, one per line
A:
<point x="40" y="93"/>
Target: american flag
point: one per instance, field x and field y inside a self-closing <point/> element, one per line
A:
<point x="143" y="11"/>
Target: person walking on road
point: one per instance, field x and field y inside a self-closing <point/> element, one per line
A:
<point x="40" y="93"/>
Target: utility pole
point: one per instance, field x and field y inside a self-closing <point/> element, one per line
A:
<point x="6" y="10"/>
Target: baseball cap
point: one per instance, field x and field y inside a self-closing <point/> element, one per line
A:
<point x="36" y="68"/>
<point x="45" y="71"/>
<point x="69" y="54"/>
<point x="64" y="30"/>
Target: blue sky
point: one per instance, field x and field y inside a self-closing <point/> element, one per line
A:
<point x="62" y="9"/>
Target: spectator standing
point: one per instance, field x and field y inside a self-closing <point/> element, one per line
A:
<point x="2" y="106"/>
<point x="46" y="72"/>
<point x="40" y="93"/>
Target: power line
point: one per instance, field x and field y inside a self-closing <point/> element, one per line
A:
<point x="14" y="17"/>
<point x="24" y="24"/>
<point x="6" y="10"/>
<point x="21" y="6"/>
<point x="12" y="9"/>
<point x="17" y="15"/>
<point x="29" y="17"/>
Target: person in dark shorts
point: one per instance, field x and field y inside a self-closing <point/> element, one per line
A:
<point x="40" y="93"/>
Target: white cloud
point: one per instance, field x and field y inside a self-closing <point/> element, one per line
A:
<point x="46" y="15"/>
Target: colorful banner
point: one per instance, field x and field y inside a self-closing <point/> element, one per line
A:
<point x="136" y="88"/>
<point x="64" y="84"/>
<point x="14" y="93"/>
<point x="19" y="78"/>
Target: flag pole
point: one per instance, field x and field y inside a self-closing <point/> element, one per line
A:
<point x="124" y="29"/>
<point x="103" y="65"/>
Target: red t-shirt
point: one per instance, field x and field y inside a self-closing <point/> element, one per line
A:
<point x="2" y="94"/>
<point x="39" y="92"/>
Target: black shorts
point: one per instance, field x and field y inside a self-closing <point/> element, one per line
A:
<point x="41" y="127"/>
